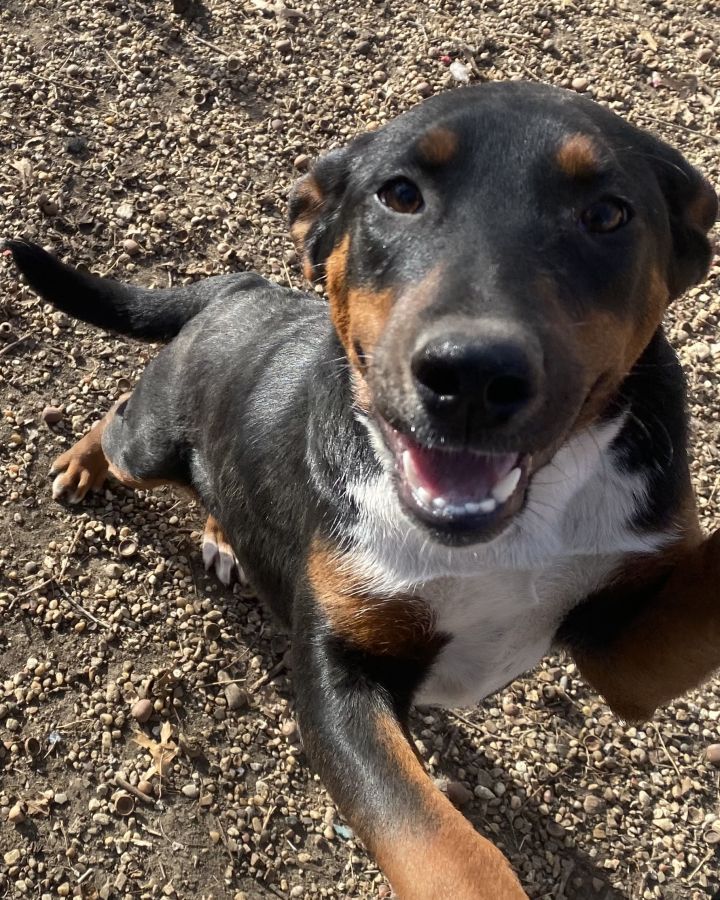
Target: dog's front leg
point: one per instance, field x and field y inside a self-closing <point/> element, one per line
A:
<point x="655" y="632"/>
<point x="357" y="662"/>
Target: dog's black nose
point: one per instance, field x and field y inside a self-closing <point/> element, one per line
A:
<point x="487" y="381"/>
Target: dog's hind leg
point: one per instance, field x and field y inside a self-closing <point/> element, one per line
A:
<point x="84" y="466"/>
<point x="131" y="453"/>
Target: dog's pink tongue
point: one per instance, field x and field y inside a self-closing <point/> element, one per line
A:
<point x="458" y="477"/>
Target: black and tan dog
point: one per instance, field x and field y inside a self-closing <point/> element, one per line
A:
<point x="476" y="452"/>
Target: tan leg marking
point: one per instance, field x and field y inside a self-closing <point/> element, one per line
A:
<point x="84" y="466"/>
<point x="439" y="854"/>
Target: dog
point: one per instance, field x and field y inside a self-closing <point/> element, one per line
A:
<point x="475" y="452"/>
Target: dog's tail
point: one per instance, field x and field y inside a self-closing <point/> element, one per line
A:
<point x="151" y="315"/>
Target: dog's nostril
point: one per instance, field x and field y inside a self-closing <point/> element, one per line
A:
<point x="507" y="391"/>
<point x="439" y="376"/>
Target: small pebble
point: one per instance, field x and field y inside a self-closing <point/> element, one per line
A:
<point x="302" y="162"/>
<point x="191" y="790"/>
<point x="580" y="84"/>
<point x="131" y="247"/>
<point x="236" y="698"/>
<point x="712" y="754"/>
<point x="458" y="794"/>
<point x="51" y="415"/>
<point x="142" y="710"/>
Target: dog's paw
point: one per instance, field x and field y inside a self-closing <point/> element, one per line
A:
<point x="75" y="472"/>
<point x="219" y="556"/>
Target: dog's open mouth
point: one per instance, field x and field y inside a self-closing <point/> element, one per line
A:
<point x="457" y="489"/>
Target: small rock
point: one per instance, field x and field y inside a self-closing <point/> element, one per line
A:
<point x="51" y="415"/>
<point x="425" y="89"/>
<point x="159" y="215"/>
<point x="12" y="857"/>
<point x="114" y="570"/>
<point x="593" y="805"/>
<point x="580" y="84"/>
<point x="142" y="710"/>
<point x="145" y="787"/>
<point x="125" y="211"/>
<point x="47" y="207"/>
<point x="302" y="162"/>
<point x="236" y="699"/>
<point x="76" y="145"/>
<point x="638" y="756"/>
<point x="191" y="790"/>
<point x="131" y="247"/>
<point x="665" y="825"/>
<point x="458" y="794"/>
<point x="31" y="567"/>
<point x="289" y="728"/>
<point x="60" y="798"/>
<point x="705" y="54"/>
<point x="16" y="816"/>
<point x="712" y="754"/>
<point x="483" y="793"/>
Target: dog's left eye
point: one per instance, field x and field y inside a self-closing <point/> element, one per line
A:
<point x="605" y="216"/>
<point x="401" y="195"/>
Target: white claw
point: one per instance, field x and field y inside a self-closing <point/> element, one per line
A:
<point x="224" y="566"/>
<point x="209" y="552"/>
<point x="58" y="488"/>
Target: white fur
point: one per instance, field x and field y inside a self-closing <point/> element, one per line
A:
<point x="501" y="602"/>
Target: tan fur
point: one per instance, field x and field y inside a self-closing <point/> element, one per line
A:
<point x="402" y="626"/>
<point x="438" y="146"/>
<point x="439" y="853"/>
<point x="578" y="157"/>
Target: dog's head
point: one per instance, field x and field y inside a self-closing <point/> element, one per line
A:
<point x="496" y="259"/>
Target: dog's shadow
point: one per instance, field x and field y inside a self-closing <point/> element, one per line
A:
<point x="520" y="815"/>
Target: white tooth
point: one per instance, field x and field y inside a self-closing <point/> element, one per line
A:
<point x="487" y="506"/>
<point x="453" y="511"/>
<point x="423" y="495"/>
<point x="439" y="503"/>
<point x="506" y="488"/>
<point x="472" y="508"/>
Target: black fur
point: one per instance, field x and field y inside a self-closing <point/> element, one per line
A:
<point x="149" y="315"/>
<point x="253" y="403"/>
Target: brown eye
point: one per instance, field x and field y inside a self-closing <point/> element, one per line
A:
<point x="605" y="216"/>
<point x="401" y="195"/>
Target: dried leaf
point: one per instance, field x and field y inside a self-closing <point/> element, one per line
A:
<point x="162" y="753"/>
<point x="39" y="807"/>
<point x="25" y="168"/>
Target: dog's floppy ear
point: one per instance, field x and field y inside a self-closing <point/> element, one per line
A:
<point x="315" y="206"/>
<point x="692" y="206"/>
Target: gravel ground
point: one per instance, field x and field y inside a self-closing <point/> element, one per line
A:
<point x="147" y="744"/>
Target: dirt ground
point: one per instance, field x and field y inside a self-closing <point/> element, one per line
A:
<point x="159" y="145"/>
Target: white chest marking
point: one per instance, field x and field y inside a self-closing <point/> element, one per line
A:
<point x="501" y="602"/>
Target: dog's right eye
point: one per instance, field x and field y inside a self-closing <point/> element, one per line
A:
<point x="401" y="195"/>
